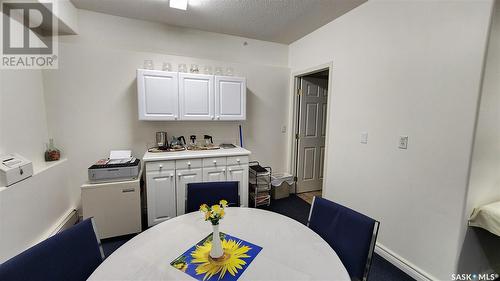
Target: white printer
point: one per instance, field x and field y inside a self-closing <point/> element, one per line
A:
<point x="14" y="168"/>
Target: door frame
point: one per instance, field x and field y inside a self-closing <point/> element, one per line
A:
<point x="294" y="113"/>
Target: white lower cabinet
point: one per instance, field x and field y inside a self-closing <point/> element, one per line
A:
<point x="184" y="177"/>
<point x="214" y="174"/>
<point x="166" y="182"/>
<point x="239" y="173"/>
<point x="160" y="194"/>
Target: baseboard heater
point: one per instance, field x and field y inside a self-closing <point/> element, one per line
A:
<point x="67" y="222"/>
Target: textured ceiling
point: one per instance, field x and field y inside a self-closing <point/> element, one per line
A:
<point x="282" y="21"/>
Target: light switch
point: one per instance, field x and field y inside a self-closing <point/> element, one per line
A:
<point x="283" y="129"/>
<point x="403" y="142"/>
<point x="363" y="138"/>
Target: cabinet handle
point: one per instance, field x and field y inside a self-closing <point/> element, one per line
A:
<point x="238" y="160"/>
<point x="224" y="171"/>
<point x="160" y="166"/>
<point x="175" y="117"/>
<point x="171" y="175"/>
<point x="189" y="163"/>
<point x="128" y="190"/>
<point x="213" y="117"/>
<point x="230" y="170"/>
<point x="215" y="161"/>
<point x="179" y="174"/>
<point x="218" y="117"/>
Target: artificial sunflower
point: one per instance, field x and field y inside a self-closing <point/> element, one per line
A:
<point x="232" y="262"/>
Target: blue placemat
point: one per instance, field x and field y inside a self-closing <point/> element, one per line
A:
<point x="196" y="262"/>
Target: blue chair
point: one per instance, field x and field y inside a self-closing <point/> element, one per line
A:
<point x="352" y="235"/>
<point x="72" y="254"/>
<point x="211" y="193"/>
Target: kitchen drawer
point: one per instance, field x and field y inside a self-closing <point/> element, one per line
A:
<point x="188" y="163"/>
<point x="160" y="165"/>
<point x="236" y="160"/>
<point x="214" y="162"/>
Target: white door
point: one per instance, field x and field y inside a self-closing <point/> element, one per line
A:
<point x="230" y="98"/>
<point x="211" y="174"/>
<point x="160" y="196"/>
<point x="184" y="177"/>
<point x="196" y="95"/>
<point x="158" y="95"/>
<point x="312" y="132"/>
<point x="239" y="173"/>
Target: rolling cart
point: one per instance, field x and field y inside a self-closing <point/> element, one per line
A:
<point x="259" y="184"/>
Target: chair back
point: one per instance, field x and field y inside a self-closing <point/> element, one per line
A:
<point x="352" y="235"/>
<point x="72" y="254"/>
<point x="211" y="193"/>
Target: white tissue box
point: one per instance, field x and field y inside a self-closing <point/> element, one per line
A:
<point x="14" y="168"/>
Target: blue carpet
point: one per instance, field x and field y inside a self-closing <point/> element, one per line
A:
<point x="297" y="209"/>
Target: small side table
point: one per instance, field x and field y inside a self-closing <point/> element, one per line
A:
<point x="115" y="206"/>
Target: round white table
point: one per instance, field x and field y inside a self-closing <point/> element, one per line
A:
<point x="291" y="251"/>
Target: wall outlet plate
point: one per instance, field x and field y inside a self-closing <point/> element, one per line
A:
<point x="363" y="138"/>
<point x="403" y="142"/>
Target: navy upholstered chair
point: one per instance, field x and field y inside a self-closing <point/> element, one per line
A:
<point x="351" y="234"/>
<point x="211" y="193"/>
<point x="72" y="254"/>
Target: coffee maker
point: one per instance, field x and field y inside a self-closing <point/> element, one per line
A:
<point x="161" y="140"/>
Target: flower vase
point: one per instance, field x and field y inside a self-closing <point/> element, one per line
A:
<point x="216" y="252"/>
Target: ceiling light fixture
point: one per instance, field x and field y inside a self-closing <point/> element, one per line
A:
<point x="179" y="4"/>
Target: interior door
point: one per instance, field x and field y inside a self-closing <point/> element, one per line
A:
<point x="239" y="173"/>
<point x="160" y="196"/>
<point x="211" y="174"/>
<point x="312" y="133"/>
<point x="184" y="177"/>
<point x="230" y="98"/>
<point x="158" y="95"/>
<point x="196" y="94"/>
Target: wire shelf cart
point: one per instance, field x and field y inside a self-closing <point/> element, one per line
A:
<point x="259" y="184"/>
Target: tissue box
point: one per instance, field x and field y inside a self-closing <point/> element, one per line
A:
<point x="14" y="168"/>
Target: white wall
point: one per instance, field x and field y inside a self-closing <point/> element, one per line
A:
<point x="480" y="248"/>
<point x="403" y="68"/>
<point x="23" y="119"/>
<point x="92" y="98"/>
<point x="31" y="209"/>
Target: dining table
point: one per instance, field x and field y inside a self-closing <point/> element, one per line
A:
<point x="290" y="250"/>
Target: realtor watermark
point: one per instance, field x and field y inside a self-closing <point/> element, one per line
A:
<point x="474" y="277"/>
<point x="28" y="35"/>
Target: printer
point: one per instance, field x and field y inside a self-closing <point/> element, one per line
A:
<point x="14" y="168"/>
<point x="120" y="166"/>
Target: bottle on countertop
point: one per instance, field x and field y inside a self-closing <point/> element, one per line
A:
<point x="52" y="153"/>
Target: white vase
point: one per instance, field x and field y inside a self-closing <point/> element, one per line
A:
<point x="216" y="251"/>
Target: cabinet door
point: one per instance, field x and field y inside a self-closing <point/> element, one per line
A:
<point x="239" y="173"/>
<point x="160" y="189"/>
<point x="230" y="98"/>
<point x="158" y="95"/>
<point x="196" y="94"/>
<point x="214" y="174"/>
<point x="184" y="177"/>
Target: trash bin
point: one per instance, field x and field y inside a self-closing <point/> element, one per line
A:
<point x="281" y="183"/>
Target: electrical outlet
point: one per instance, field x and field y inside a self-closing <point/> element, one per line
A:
<point x="403" y="142"/>
<point x="283" y="129"/>
<point x="363" y="138"/>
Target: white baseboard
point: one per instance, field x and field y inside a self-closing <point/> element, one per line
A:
<point x="404" y="265"/>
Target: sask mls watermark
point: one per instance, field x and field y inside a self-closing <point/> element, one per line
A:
<point x="28" y="40"/>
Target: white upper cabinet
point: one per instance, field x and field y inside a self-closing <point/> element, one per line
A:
<point x="158" y="95"/>
<point x="196" y="92"/>
<point x="230" y="98"/>
<point x="166" y="95"/>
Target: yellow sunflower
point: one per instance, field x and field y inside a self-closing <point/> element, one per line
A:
<point x="232" y="261"/>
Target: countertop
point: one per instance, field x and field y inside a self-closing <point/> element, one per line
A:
<point x="189" y="154"/>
